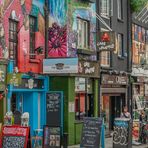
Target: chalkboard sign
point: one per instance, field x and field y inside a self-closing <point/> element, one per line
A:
<point x="51" y="137"/>
<point x="53" y="108"/>
<point x="91" y="133"/>
<point x="15" y="137"/>
<point x="17" y="117"/>
<point x="122" y="136"/>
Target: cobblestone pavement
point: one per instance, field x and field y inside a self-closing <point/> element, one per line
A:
<point x="108" y="144"/>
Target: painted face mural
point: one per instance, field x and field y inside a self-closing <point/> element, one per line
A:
<point x="57" y="29"/>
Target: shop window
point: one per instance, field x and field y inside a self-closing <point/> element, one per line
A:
<point x="83" y="33"/>
<point x="105" y="58"/>
<point x="120" y="9"/>
<point x="83" y="106"/>
<point x="13" y="41"/>
<point x="32" y="27"/>
<point x="105" y="7"/>
<point x="120" y="45"/>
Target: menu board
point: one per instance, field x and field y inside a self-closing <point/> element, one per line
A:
<point x="53" y="108"/>
<point x="51" y="137"/>
<point x="91" y="133"/>
<point x="122" y="133"/>
<point x="15" y="137"/>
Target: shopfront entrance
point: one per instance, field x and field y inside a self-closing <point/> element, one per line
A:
<point x="31" y="102"/>
<point x="112" y="107"/>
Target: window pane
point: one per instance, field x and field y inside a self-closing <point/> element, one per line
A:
<point x="105" y="7"/>
<point x="32" y="21"/>
<point x="12" y="39"/>
<point x="120" y="45"/>
<point x="105" y="58"/>
<point x="119" y="9"/>
<point x="82" y="33"/>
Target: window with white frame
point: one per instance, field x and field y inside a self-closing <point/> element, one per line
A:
<point x="120" y="9"/>
<point x="105" y="7"/>
<point x="105" y="58"/>
<point x="83" y="33"/>
<point x="120" y="45"/>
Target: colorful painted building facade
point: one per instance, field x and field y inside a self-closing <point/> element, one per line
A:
<point x="22" y="36"/>
<point x="72" y="35"/>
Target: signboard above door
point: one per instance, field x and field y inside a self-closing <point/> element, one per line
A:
<point x="60" y="65"/>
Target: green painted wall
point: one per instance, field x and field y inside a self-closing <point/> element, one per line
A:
<point x="67" y="85"/>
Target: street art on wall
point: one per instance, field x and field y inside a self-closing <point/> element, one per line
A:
<point x="57" y="32"/>
<point x="20" y="12"/>
<point x="83" y="11"/>
<point x="63" y="30"/>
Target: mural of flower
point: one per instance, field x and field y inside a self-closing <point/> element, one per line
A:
<point x="57" y="41"/>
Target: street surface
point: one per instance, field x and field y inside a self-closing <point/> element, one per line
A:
<point x="108" y="144"/>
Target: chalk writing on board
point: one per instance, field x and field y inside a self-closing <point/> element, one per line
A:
<point x="91" y="133"/>
<point x="53" y="102"/>
<point x="120" y="135"/>
<point x="13" y="142"/>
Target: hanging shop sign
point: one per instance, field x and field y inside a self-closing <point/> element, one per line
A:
<point x="2" y="77"/>
<point x="88" y="68"/>
<point x="114" y="79"/>
<point x="30" y="83"/>
<point x="60" y="65"/>
<point x="14" y="79"/>
<point x="107" y="41"/>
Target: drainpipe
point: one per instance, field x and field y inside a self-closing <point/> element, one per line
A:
<point x="98" y="56"/>
<point x="129" y="54"/>
<point x="46" y="8"/>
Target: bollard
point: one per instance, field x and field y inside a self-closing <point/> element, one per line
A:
<point x="65" y="140"/>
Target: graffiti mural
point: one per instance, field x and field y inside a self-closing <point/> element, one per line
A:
<point x="63" y="28"/>
<point x="57" y="33"/>
<point x="20" y="11"/>
<point x="84" y="11"/>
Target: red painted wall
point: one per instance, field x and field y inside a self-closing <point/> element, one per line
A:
<point x="21" y="11"/>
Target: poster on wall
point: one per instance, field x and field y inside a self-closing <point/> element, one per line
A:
<point x="51" y="137"/>
<point x="136" y="130"/>
<point x="2" y="77"/>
